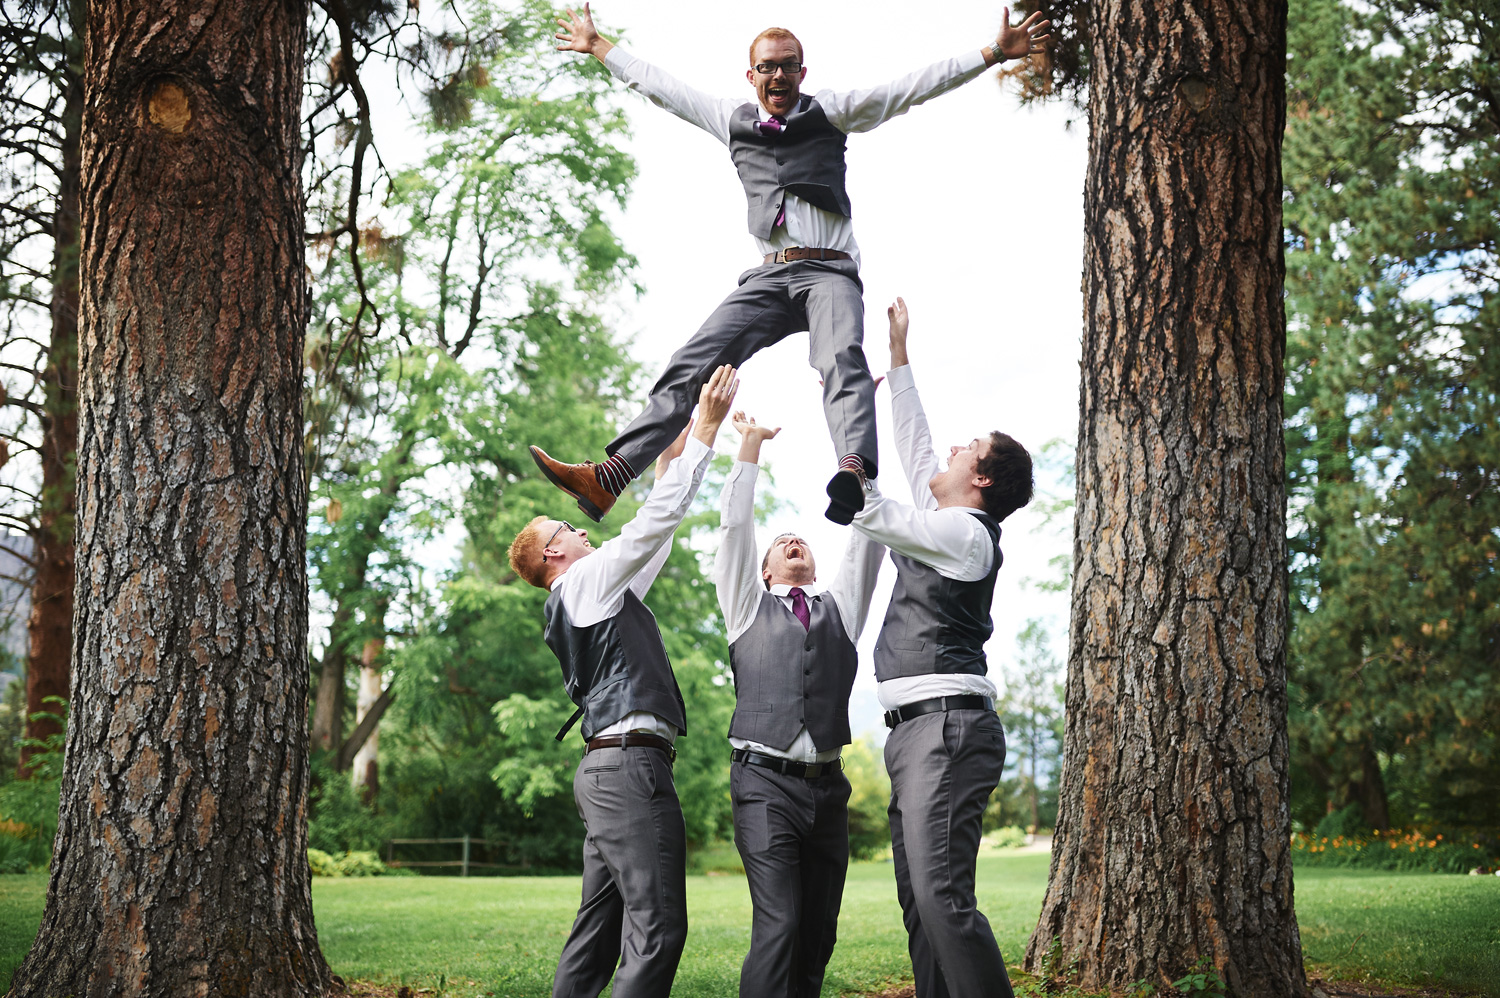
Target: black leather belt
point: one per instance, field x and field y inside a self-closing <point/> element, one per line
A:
<point x="787" y="767"/>
<point x="966" y="701"/>
<point x="633" y="738"/>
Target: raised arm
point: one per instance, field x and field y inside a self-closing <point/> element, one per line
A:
<point x="853" y="587"/>
<point x="736" y="569"/>
<point x="862" y="110"/>
<point x="662" y="89"/>
<point x="913" y="439"/>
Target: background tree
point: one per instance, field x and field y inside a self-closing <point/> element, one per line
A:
<point x="1393" y="287"/>
<point x="41" y="103"/>
<point x="1172" y="833"/>
<point x="189" y="739"/>
<point x="521" y="163"/>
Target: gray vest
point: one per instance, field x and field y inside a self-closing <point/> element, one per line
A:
<point x="614" y="667"/>
<point x="935" y="624"/>
<point x="785" y="677"/>
<point x="806" y="159"/>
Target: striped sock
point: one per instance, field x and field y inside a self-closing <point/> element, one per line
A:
<point x="614" y="474"/>
<point x="854" y="463"/>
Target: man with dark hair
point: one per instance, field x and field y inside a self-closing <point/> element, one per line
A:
<point x="946" y="749"/>
<point x="633" y="919"/>
<point x="789" y="151"/>
<point x="792" y="652"/>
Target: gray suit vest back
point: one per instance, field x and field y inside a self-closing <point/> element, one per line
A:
<point x="785" y="677"/>
<point x="935" y="624"/>
<point x="806" y="159"/>
<point x="614" y="667"/>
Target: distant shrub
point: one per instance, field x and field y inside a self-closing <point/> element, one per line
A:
<point x="1011" y="837"/>
<point x="1346" y="823"/>
<point x="1399" y="849"/>
<point x="322" y="864"/>
<point x="348" y="864"/>
<point x="360" y="864"/>
<point x="869" y="797"/>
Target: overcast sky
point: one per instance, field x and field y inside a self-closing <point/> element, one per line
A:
<point x="969" y="207"/>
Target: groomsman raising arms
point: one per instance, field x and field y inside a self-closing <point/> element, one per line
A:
<point x="792" y="651"/>
<point x="946" y="749"/>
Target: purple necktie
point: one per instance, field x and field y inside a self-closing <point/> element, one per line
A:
<point x="771" y="128"/>
<point x="799" y="607"/>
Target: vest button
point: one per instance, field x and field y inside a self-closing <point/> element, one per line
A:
<point x="807" y="672"/>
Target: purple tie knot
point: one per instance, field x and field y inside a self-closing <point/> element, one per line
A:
<point x="772" y="126"/>
<point x="799" y="607"/>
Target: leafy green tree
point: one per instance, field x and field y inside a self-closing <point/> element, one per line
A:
<point x="422" y="336"/>
<point x="1392" y="160"/>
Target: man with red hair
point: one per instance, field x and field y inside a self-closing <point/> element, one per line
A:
<point x="789" y="151"/>
<point x="632" y="920"/>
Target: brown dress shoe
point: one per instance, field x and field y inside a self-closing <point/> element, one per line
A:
<point x="578" y="481"/>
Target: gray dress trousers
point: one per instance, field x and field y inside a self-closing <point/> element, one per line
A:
<point x="632" y="922"/>
<point x="943" y="767"/>
<point x="772" y="301"/>
<point x="793" y="838"/>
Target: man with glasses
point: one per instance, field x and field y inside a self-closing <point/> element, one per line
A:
<point x="946" y="749"/>
<point x="789" y="151"/>
<point x="792" y="652"/>
<point x="632" y="921"/>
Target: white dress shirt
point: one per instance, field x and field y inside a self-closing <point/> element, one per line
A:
<point x="738" y="580"/>
<point x="854" y="111"/>
<point x="593" y="588"/>
<point x="951" y="541"/>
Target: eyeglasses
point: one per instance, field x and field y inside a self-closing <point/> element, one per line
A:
<point x="562" y="525"/>
<point x="791" y="67"/>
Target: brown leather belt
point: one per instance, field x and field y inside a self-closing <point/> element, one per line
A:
<point x="794" y="253"/>
<point x="632" y="738"/>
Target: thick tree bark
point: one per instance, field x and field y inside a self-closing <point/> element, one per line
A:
<point x="1173" y="825"/>
<point x="180" y="865"/>
<point x="51" y="623"/>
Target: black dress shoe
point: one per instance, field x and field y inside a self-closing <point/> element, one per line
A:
<point x="846" y="496"/>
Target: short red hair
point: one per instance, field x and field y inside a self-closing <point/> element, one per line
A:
<point x="775" y="34"/>
<point x="526" y="557"/>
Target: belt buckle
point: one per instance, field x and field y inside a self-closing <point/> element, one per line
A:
<point x="781" y="256"/>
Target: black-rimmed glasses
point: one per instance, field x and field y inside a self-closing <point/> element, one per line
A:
<point x="791" y="67"/>
<point x="562" y="525"/>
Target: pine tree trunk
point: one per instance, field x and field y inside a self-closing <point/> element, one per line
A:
<point x="50" y="627"/>
<point x="1173" y="824"/>
<point x="180" y="865"/>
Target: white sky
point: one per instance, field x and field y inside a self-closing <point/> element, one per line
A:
<point x="969" y="207"/>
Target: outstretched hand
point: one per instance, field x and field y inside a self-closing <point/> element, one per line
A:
<point x="579" y="33"/>
<point x="746" y="426"/>
<point x="1017" y="41"/>
<point x="896" y="313"/>
<point x="714" y="401"/>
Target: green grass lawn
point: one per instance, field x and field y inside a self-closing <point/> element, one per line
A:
<point x="502" y="935"/>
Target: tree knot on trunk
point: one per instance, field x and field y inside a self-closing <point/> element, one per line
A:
<point x="1195" y="91"/>
<point x="167" y="108"/>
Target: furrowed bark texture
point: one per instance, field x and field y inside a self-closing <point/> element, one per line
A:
<point x="50" y="626"/>
<point x="1173" y="825"/>
<point x="180" y="865"/>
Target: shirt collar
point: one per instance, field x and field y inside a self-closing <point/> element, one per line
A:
<point x="785" y="592"/>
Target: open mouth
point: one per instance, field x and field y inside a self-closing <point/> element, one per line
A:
<point x="779" y="95"/>
<point x="793" y="552"/>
